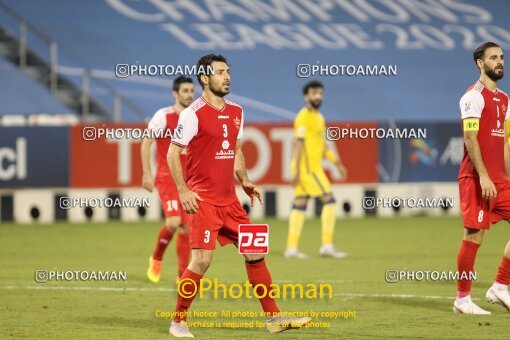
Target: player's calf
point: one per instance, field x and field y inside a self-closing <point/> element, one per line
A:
<point x="296" y="222"/>
<point x="200" y="260"/>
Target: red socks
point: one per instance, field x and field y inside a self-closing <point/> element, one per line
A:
<point x="183" y="304"/>
<point x="465" y="264"/>
<point x="258" y="274"/>
<point x="164" y="238"/>
<point x="503" y="276"/>
<point x="183" y="252"/>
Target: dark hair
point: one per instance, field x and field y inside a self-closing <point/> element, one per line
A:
<point x="480" y="50"/>
<point x="313" y="84"/>
<point x="205" y="62"/>
<point x="181" y="80"/>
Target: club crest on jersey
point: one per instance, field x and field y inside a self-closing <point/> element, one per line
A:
<point x="237" y="122"/>
<point x="225" y="144"/>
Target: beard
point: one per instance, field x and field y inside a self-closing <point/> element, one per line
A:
<point x="493" y="75"/>
<point x="218" y="91"/>
<point x="316" y="104"/>
<point x="185" y="103"/>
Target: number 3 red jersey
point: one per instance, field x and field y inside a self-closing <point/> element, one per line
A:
<point x="209" y="136"/>
<point x="491" y="108"/>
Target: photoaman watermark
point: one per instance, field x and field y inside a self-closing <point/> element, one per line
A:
<point x="188" y="288"/>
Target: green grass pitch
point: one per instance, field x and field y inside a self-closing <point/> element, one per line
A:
<point x="417" y="309"/>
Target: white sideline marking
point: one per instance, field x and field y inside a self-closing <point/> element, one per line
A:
<point x="400" y="296"/>
<point x="105" y="289"/>
<point x="140" y="289"/>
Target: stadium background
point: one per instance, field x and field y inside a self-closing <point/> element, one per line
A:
<point x="57" y="60"/>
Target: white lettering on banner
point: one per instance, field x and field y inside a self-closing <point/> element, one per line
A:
<point x="306" y="24"/>
<point x="286" y="137"/>
<point x="400" y="11"/>
<point x="453" y="152"/>
<point x="264" y="156"/>
<point x="123" y="158"/>
<point x="16" y="160"/>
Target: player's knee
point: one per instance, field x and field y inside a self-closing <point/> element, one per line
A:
<point x="473" y="235"/>
<point x="202" y="260"/>
<point x="300" y="203"/>
<point x="254" y="258"/>
<point x="203" y="264"/>
<point x="172" y="223"/>
<point x="328" y="199"/>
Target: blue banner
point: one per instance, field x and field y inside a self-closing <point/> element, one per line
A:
<point x="34" y="157"/>
<point x="433" y="157"/>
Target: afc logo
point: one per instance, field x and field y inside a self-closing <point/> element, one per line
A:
<point x="253" y="238"/>
<point x="467" y="106"/>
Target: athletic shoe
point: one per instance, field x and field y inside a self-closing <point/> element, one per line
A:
<point x="329" y="251"/>
<point x="498" y="293"/>
<point x="466" y="306"/>
<point x="294" y="253"/>
<point x="154" y="271"/>
<point x="180" y="330"/>
<point x="279" y="324"/>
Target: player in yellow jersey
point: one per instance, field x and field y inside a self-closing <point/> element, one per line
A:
<point x="309" y="180"/>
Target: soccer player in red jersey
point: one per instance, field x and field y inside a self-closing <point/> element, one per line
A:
<point x="484" y="183"/>
<point x="211" y="131"/>
<point x="163" y="124"/>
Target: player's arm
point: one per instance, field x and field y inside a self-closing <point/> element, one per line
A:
<point x="507" y="153"/>
<point x="297" y="152"/>
<point x="299" y="144"/>
<point x="337" y="160"/>
<point x="242" y="174"/>
<point x="157" y="123"/>
<point x="507" y="146"/>
<point x="471" y="107"/>
<point x="187" y="197"/>
<point x="188" y="124"/>
<point x="473" y="148"/>
<point x="147" y="180"/>
<point x="240" y="164"/>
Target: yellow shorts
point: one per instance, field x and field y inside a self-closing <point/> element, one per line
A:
<point x="313" y="184"/>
